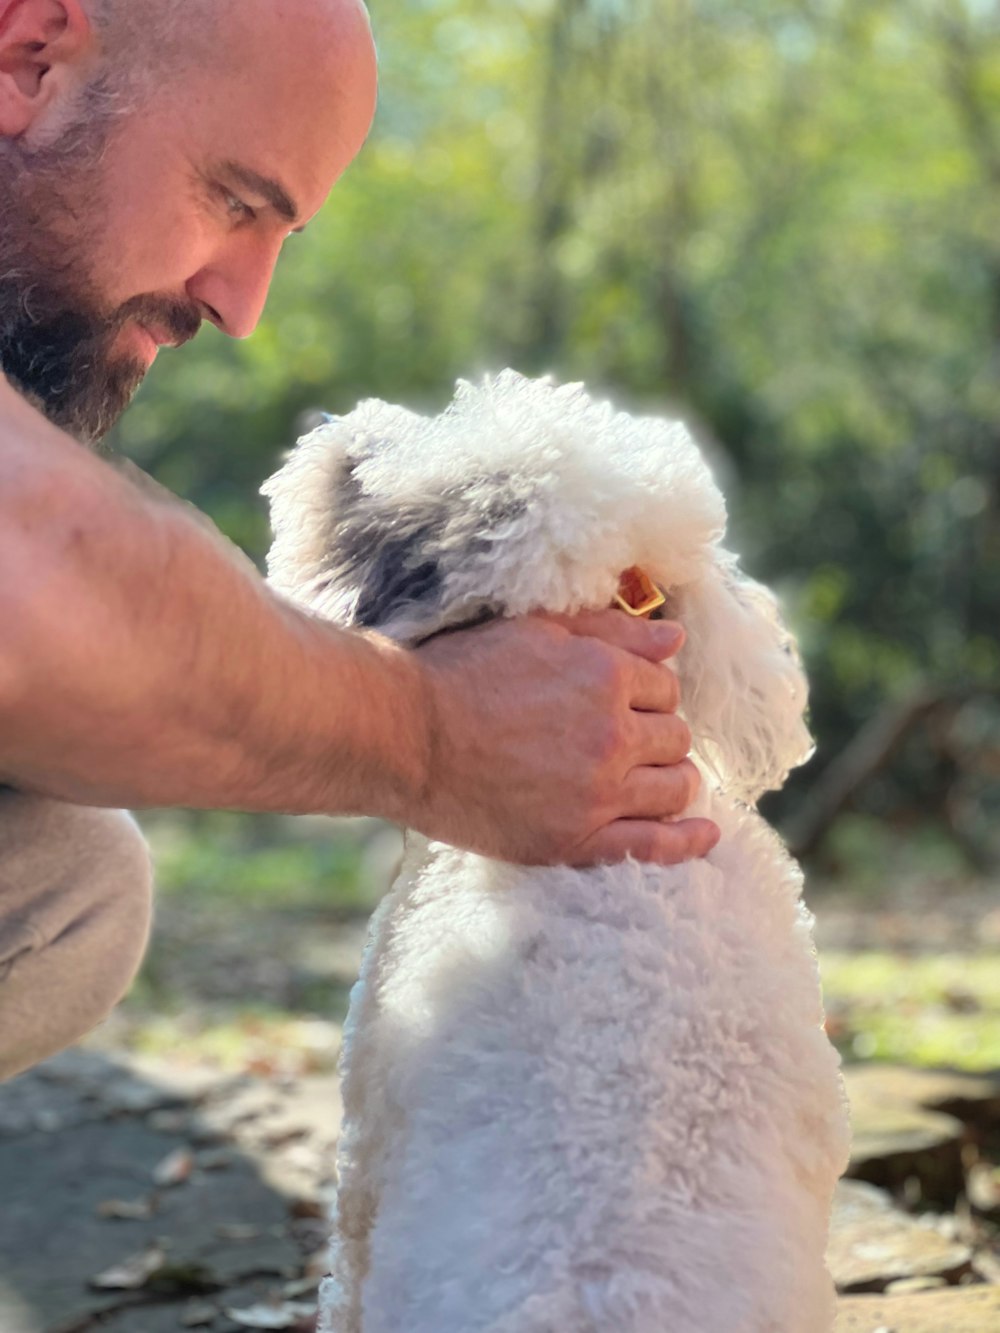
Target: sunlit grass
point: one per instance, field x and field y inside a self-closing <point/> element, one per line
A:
<point x="246" y="1039"/>
<point x="938" y="1010"/>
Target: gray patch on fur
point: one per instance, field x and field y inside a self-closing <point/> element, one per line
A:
<point x="398" y="557"/>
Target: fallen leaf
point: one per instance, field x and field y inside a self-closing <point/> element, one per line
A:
<point x="132" y="1273"/>
<point x="215" y="1159"/>
<point x="983" y="1187"/>
<point x="175" y="1168"/>
<point x="307" y="1208"/>
<point x="271" y="1316"/>
<point x="169" y="1122"/>
<point x="236" y="1231"/>
<point x="278" y="1138"/>
<point x="302" y="1286"/>
<point x="263" y="1066"/>
<point x="318" y="1263"/>
<point x="131" y="1210"/>
<point x="185" y="1277"/>
<point x="199" y="1316"/>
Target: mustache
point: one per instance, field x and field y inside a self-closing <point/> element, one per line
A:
<point x="179" y="318"/>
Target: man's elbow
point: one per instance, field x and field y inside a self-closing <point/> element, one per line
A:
<point x="13" y="680"/>
<point x="10" y="682"/>
<point x="26" y="622"/>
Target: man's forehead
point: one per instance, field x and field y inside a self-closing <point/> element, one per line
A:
<point x="293" y="100"/>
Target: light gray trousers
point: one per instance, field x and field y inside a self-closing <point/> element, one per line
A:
<point x="75" y="909"/>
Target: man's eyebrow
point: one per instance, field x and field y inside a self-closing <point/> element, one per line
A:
<point x="265" y="186"/>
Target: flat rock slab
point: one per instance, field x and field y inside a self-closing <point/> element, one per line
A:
<point x="873" y="1243"/>
<point x="973" y="1098"/>
<point x="893" y="1143"/>
<point x="959" y="1310"/>
<point x="911" y="1124"/>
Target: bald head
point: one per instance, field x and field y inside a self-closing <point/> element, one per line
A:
<point x="144" y="41"/>
<point x="154" y="156"/>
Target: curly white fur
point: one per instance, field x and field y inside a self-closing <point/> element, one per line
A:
<point x="575" y="1100"/>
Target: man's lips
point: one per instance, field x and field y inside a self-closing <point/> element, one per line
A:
<point x="146" y="341"/>
<point x="153" y="338"/>
<point x="160" y="337"/>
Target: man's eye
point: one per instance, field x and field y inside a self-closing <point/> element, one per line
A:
<point x="237" y="209"/>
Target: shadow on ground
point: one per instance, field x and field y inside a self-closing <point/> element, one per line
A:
<point x="144" y="1199"/>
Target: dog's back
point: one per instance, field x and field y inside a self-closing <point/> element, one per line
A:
<point x="589" y="1100"/>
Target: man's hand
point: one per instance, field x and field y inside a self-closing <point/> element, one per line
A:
<point x="556" y="739"/>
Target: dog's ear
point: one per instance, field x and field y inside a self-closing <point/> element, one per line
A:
<point x="306" y="500"/>
<point x="390" y="560"/>
<point x="396" y="578"/>
<point x="365" y="553"/>
<point x="349" y="557"/>
<point x="743" y="689"/>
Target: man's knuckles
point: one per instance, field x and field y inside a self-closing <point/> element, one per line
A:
<point x="658" y="738"/>
<point x="682" y="738"/>
<point x="653" y="687"/>
<point x="658" y="793"/>
<point x="692" y="778"/>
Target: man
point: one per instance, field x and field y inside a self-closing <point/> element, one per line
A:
<point x="153" y="159"/>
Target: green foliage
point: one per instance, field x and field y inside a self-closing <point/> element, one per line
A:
<point x="255" y="861"/>
<point x="939" y="1010"/>
<point x="778" y="220"/>
<point x="864" y="848"/>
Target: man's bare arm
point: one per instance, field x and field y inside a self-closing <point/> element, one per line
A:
<point x="142" y="664"/>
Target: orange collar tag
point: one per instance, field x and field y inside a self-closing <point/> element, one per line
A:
<point x="637" y="594"/>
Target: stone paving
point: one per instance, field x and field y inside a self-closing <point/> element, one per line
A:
<point x="139" y="1197"/>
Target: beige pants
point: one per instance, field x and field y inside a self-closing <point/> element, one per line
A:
<point x="75" y="906"/>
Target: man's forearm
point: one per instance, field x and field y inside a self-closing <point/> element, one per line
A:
<point x="142" y="663"/>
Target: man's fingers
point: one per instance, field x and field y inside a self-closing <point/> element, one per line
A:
<point x="648" y="840"/>
<point x="655" y="687"/>
<point x="659" y="738"/>
<point x="655" y="640"/>
<point x="659" y="793"/>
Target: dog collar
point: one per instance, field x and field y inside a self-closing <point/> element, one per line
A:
<point x="637" y="594"/>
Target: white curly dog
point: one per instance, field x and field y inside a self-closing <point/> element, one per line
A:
<point x="576" y="1101"/>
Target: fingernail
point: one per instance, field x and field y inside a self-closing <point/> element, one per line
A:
<point x="668" y="633"/>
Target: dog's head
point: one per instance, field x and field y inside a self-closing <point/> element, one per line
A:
<point x="524" y="496"/>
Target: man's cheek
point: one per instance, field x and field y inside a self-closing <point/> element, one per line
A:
<point x="156" y="256"/>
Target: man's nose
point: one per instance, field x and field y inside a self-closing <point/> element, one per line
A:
<point x="232" y="288"/>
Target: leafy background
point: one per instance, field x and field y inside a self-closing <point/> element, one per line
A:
<point x="777" y="221"/>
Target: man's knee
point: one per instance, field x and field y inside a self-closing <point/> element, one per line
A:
<point x="75" y="909"/>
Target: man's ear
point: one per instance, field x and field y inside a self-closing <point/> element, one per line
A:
<point x="43" y="46"/>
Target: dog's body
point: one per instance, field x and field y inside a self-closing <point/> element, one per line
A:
<point x="575" y="1100"/>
